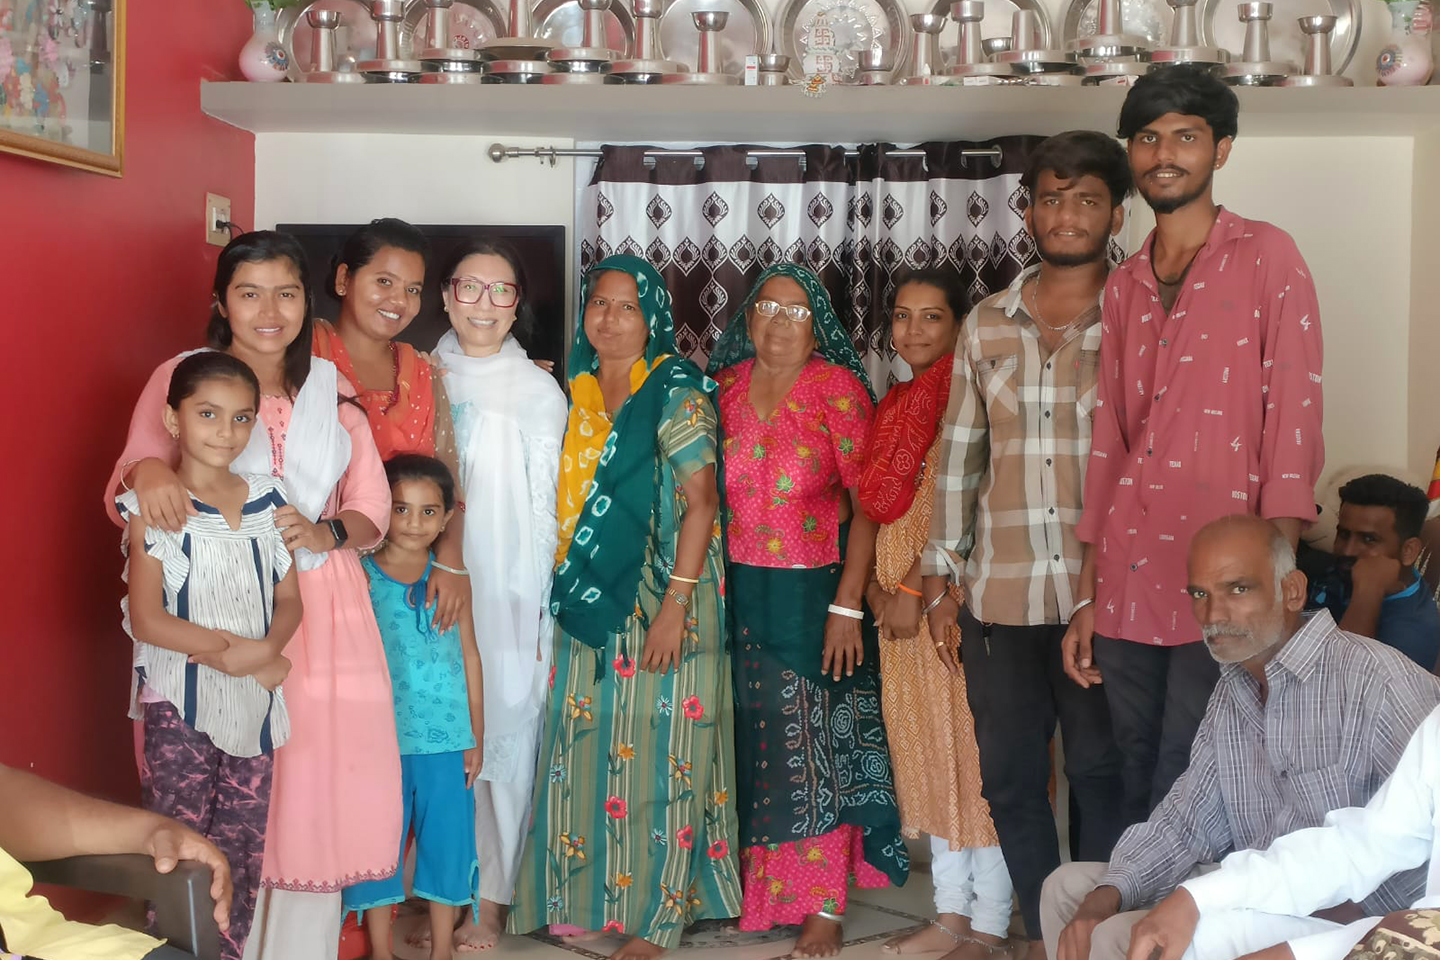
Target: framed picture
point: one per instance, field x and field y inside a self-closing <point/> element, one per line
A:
<point x="62" y="82"/>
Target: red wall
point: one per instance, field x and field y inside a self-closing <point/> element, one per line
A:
<point x="100" y="280"/>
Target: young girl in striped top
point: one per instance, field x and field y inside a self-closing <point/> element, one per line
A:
<point x="210" y="609"/>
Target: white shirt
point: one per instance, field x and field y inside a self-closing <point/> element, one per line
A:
<point x="1346" y="859"/>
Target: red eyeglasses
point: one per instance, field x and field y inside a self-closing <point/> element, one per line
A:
<point x="503" y="293"/>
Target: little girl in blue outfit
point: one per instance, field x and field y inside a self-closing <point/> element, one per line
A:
<point x="439" y="712"/>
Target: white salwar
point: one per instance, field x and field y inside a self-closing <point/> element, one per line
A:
<point x="509" y="427"/>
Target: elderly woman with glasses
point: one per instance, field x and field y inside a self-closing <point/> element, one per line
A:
<point x="817" y="801"/>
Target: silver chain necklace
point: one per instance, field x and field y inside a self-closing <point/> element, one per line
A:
<point x="1035" y="296"/>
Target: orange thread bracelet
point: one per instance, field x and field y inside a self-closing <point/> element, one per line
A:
<point x="904" y="589"/>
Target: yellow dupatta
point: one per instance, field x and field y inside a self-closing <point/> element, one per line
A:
<point x="585" y="434"/>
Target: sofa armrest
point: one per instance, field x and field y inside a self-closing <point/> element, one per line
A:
<point x="184" y="912"/>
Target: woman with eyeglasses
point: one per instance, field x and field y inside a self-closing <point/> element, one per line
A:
<point x="817" y="801"/>
<point x="509" y="418"/>
<point x="378" y="278"/>
<point x="634" y="826"/>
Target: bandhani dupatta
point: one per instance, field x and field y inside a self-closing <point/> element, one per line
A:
<point x="906" y="424"/>
<point x="402" y="421"/>
<point x="832" y="340"/>
<point x="608" y="494"/>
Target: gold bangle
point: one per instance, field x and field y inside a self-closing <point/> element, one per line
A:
<point x="679" y="579"/>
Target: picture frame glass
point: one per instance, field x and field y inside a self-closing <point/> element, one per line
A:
<point x="61" y="81"/>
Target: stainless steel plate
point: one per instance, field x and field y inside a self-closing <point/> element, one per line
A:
<point x="858" y="25"/>
<point x="998" y="14"/>
<point x="1147" y="18"/>
<point x="564" y="22"/>
<point x="472" y="22"/>
<point x="1219" y="20"/>
<point x="746" y="32"/>
<point x="354" y="38"/>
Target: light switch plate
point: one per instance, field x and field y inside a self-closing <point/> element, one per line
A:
<point x="217" y="219"/>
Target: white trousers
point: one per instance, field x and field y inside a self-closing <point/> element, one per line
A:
<point x="502" y="821"/>
<point x="292" y="925"/>
<point x="1220" y="936"/>
<point x="974" y="883"/>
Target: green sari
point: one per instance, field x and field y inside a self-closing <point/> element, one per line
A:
<point x="634" y="828"/>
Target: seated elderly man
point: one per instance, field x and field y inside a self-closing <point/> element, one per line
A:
<point x="1311" y="869"/>
<point x="1372" y="587"/>
<point x="42" y="821"/>
<point x="1305" y="719"/>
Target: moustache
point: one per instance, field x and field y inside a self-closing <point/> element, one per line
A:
<point x="1211" y="631"/>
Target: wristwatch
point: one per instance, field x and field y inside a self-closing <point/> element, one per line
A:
<point x="337" y="530"/>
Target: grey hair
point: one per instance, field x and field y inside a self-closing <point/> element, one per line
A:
<point x="1282" y="558"/>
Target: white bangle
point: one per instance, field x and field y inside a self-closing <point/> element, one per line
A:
<point x="930" y="607"/>
<point x="1088" y="601"/>
<point x="835" y="608"/>
<point x="440" y="566"/>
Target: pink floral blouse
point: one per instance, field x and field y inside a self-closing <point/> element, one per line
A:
<point x="784" y="475"/>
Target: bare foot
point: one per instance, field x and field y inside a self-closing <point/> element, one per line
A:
<point x="472" y="937"/>
<point x="940" y="936"/>
<point x="982" y="946"/>
<point x="637" y="949"/>
<point x="818" y="938"/>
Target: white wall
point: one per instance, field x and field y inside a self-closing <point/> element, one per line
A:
<point x="354" y="178"/>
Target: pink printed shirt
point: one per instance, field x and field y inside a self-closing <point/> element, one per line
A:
<point x="1212" y="410"/>
<point x="784" y="475"/>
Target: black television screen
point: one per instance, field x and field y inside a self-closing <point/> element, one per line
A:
<point x="541" y="249"/>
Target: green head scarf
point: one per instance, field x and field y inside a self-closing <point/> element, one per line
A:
<point x="596" y="585"/>
<point x="655" y="303"/>
<point x="832" y="341"/>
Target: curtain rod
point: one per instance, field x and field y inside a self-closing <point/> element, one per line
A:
<point x="499" y="152"/>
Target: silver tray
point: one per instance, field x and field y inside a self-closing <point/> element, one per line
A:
<point x="997" y="23"/>
<point x="1218" y="20"/>
<point x="1146" y="18"/>
<point x="859" y="24"/>
<point x="564" y="22"/>
<point x="472" y="22"/>
<point x="746" y="32"/>
<point x="354" y="38"/>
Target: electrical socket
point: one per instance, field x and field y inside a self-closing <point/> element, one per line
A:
<point x="217" y="218"/>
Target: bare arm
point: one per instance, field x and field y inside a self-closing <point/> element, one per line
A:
<point x="285" y="618"/>
<point x="663" y="641"/>
<point x="702" y="502"/>
<point x="475" y="694"/>
<point x="1290" y="526"/>
<point x="40" y="820"/>
<point x="149" y="620"/>
<point x="844" y="648"/>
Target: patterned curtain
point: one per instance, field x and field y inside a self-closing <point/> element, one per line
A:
<point x="711" y="225"/>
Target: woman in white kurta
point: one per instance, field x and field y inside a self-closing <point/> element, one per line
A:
<point x="509" y="426"/>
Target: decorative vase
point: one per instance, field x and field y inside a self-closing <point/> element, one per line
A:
<point x="1406" y="61"/>
<point x="263" y="59"/>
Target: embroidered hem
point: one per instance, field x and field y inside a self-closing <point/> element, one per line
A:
<point x="328" y="886"/>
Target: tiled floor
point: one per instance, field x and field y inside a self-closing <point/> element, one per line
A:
<point x="873" y="917"/>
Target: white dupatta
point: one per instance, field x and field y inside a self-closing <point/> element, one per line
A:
<point x="509" y="427"/>
<point x="317" y="450"/>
